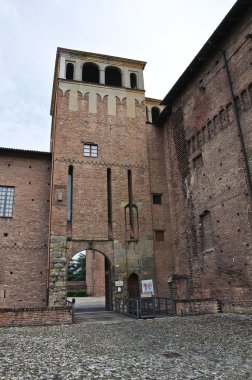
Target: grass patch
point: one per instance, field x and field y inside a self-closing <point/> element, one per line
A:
<point x="76" y="293"/>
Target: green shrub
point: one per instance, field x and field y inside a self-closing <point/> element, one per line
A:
<point x="76" y="293"/>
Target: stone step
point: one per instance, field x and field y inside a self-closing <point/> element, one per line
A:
<point x="100" y="317"/>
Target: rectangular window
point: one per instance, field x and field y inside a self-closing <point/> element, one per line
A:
<point x="157" y="199"/>
<point x="159" y="235"/>
<point x="6" y="201"/>
<point x="90" y="150"/>
<point x="207" y="231"/>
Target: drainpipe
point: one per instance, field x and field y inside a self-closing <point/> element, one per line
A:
<point x="239" y="127"/>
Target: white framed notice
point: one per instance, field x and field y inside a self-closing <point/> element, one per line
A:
<point x="119" y="283"/>
<point x="147" y="287"/>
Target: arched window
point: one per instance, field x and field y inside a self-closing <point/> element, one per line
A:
<point x="133" y="80"/>
<point x="155" y="111"/>
<point x="70" y="71"/>
<point x="113" y="76"/>
<point x="90" y="73"/>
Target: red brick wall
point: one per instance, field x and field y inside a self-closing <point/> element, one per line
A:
<point x="24" y="252"/>
<point x="161" y="218"/>
<point x="122" y="146"/>
<point x="194" y="307"/>
<point x="95" y="274"/>
<point x="35" y="316"/>
<point x="202" y="124"/>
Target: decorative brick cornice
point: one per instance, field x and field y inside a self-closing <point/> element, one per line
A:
<point x="100" y="163"/>
<point x="24" y="247"/>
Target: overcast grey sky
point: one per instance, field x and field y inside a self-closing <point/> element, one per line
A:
<point x="165" y="33"/>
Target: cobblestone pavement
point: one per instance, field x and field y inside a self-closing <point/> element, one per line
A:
<point x="202" y="347"/>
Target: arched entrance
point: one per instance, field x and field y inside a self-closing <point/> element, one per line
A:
<point x="97" y="278"/>
<point x="133" y="286"/>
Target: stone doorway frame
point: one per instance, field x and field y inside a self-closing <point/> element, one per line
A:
<point x="105" y="248"/>
<point x="61" y="250"/>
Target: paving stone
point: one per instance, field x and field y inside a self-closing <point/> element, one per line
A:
<point x="211" y="347"/>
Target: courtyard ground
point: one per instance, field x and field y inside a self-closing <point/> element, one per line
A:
<point x="201" y="347"/>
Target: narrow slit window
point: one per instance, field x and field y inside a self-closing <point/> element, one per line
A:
<point x="130" y="195"/>
<point x="6" y="201"/>
<point x="207" y="231"/>
<point x="109" y="194"/>
<point x="70" y="194"/>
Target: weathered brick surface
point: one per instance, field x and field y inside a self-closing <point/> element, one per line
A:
<point x="164" y="250"/>
<point x="122" y="146"/>
<point x="35" y="316"/>
<point x="24" y="252"/>
<point x="206" y="173"/>
<point x="194" y="307"/>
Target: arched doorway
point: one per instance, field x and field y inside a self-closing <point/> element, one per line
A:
<point x="97" y="281"/>
<point x="133" y="286"/>
<point x="98" y="276"/>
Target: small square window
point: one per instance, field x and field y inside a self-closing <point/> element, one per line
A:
<point x="6" y="201"/>
<point x="159" y="235"/>
<point x="157" y="199"/>
<point x="90" y="150"/>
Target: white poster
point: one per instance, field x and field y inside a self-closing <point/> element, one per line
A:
<point x="147" y="288"/>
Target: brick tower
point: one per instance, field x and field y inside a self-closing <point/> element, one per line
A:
<point x="100" y="198"/>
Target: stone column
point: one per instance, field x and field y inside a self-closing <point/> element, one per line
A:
<point x="58" y="271"/>
<point x="78" y="70"/>
<point x="125" y="78"/>
<point x="62" y="67"/>
<point x="140" y="80"/>
<point x="102" y="73"/>
<point x="102" y="76"/>
<point x="149" y="115"/>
